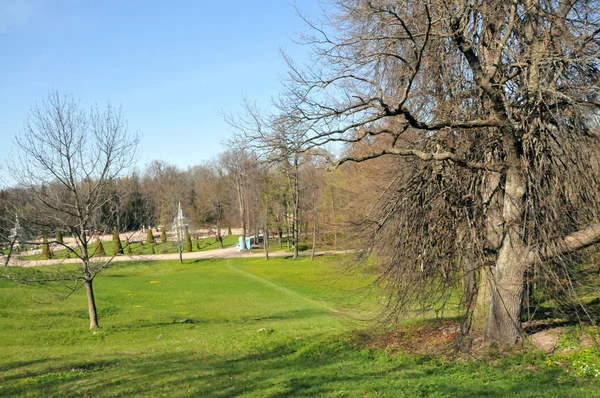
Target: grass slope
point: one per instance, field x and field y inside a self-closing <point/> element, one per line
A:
<point x="235" y="327"/>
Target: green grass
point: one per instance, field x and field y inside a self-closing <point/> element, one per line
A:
<point x="143" y="248"/>
<point x="234" y="327"/>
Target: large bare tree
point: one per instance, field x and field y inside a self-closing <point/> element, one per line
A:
<point x="67" y="159"/>
<point x="490" y="109"/>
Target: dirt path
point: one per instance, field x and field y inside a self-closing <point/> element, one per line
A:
<point x="215" y="253"/>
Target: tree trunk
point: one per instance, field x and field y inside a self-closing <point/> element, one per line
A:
<point x="266" y="241"/>
<point x="504" y="323"/>
<point x="219" y="236"/>
<point x="287" y="225"/>
<point x="89" y="290"/>
<point x="314" y="231"/>
<point x="481" y="311"/>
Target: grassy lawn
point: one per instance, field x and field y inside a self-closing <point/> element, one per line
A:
<point x="144" y="248"/>
<point x="234" y="327"/>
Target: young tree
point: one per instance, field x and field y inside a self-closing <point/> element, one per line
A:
<point x="67" y="158"/>
<point x="163" y="235"/>
<point x="490" y="110"/>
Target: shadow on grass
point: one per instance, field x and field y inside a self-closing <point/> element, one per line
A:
<point x="326" y="366"/>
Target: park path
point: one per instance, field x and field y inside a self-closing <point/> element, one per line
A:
<point x="227" y="252"/>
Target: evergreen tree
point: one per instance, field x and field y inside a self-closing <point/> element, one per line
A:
<point x="150" y="236"/>
<point x="59" y="237"/>
<point x="117" y="247"/>
<point x="46" y="249"/>
<point x="100" y="248"/>
<point x="128" y="247"/>
<point x="198" y="244"/>
<point x="188" y="242"/>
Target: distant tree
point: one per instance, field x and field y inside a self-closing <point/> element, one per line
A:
<point x="59" y="237"/>
<point x="188" y="242"/>
<point x="150" y="236"/>
<point x="163" y="235"/>
<point x="100" y="252"/>
<point x="46" y="249"/>
<point x="116" y="241"/>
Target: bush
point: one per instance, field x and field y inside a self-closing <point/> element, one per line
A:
<point x="100" y="248"/>
<point x="149" y="236"/>
<point x="46" y="249"/>
<point x="188" y="242"/>
<point x="117" y="247"/>
<point x="59" y="237"/>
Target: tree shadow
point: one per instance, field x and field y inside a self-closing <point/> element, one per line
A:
<point x="317" y="366"/>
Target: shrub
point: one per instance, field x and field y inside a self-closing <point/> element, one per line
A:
<point x="59" y="237"/>
<point x="117" y="247"/>
<point x="188" y="242"/>
<point x="46" y="249"/>
<point x="150" y="236"/>
<point x="100" y="248"/>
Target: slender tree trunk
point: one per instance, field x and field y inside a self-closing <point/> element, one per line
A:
<point x="219" y="236"/>
<point x="333" y="219"/>
<point x="266" y="240"/>
<point x="314" y="231"/>
<point x="89" y="291"/>
<point x="279" y="230"/>
<point x="287" y="224"/>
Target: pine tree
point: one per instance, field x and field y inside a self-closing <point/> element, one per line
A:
<point x="100" y="248"/>
<point x="128" y="247"/>
<point x="150" y="236"/>
<point x="188" y="242"/>
<point x="117" y="247"/>
<point x="46" y="249"/>
<point x="59" y="237"/>
<point x="163" y="236"/>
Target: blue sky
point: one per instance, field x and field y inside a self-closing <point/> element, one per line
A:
<point x="172" y="65"/>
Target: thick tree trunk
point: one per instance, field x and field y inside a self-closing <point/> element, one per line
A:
<point x="504" y="324"/>
<point x="89" y="290"/>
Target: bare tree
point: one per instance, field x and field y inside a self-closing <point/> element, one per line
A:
<point x="238" y="164"/>
<point x="490" y="109"/>
<point x="67" y="159"/>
